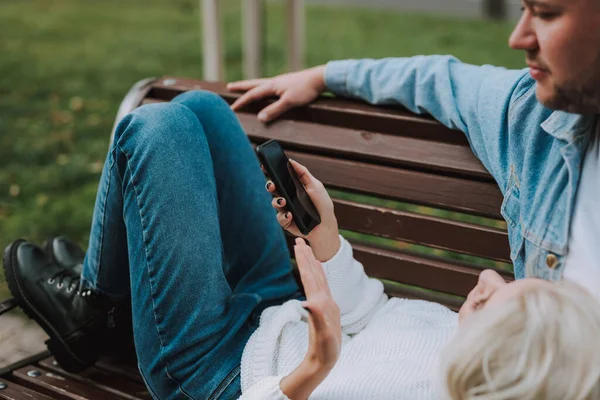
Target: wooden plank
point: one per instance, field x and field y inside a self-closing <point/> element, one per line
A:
<point x="7" y="305"/>
<point x="394" y="290"/>
<point x="112" y="383"/>
<point x="418" y="271"/>
<point x="59" y="386"/>
<point x="456" y="194"/>
<point x="127" y="371"/>
<point x="331" y="111"/>
<point x="360" y="145"/>
<point x="425" y="230"/>
<point x="392" y="150"/>
<point x="13" y="391"/>
<point x="479" y="198"/>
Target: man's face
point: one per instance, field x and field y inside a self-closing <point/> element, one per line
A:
<point x="562" y="43"/>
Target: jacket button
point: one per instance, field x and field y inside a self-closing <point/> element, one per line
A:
<point x="551" y="261"/>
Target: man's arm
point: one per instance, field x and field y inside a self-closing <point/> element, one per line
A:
<point x="473" y="99"/>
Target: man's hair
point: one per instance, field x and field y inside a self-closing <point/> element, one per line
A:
<point x="542" y="344"/>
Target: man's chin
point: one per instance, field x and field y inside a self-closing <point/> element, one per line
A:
<point x="545" y="96"/>
<point x="564" y="99"/>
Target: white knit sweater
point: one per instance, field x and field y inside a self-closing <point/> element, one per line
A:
<point x="389" y="346"/>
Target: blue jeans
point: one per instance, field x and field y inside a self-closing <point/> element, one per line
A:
<point x="182" y="222"/>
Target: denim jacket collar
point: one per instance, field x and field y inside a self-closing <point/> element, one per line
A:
<point x="566" y="126"/>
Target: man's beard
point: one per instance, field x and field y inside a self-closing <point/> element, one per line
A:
<point x="579" y="98"/>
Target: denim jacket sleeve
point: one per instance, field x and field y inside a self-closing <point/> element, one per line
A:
<point x="473" y="99"/>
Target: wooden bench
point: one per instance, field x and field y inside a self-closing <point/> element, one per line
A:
<point x="421" y="211"/>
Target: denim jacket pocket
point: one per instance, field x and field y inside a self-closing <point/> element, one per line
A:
<point x="511" y="211"/>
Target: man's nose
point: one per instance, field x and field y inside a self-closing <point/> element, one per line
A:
<point x="523" y="36"/>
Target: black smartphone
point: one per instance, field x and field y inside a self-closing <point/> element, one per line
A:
<point x="280" y="171"/>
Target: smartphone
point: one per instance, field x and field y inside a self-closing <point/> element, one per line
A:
<point x="280" y="171"/>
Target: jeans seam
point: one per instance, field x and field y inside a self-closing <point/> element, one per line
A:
<point x="152" y="392"/>
<point x="168" y="374"/>
<point x="102" y="223"/>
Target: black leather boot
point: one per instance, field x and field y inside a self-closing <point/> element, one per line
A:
<point x="72" y="316"/>
<point x="65" y="253"/>
<point x="118" y="333"/>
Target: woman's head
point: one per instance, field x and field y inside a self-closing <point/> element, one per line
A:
<point x="491" y="288"/>
<point x="530" y="339"/>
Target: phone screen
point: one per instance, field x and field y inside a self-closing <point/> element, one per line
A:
<point x="302" y="207"/>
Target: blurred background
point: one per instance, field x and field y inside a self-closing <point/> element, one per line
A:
<point x="65" y="65"/>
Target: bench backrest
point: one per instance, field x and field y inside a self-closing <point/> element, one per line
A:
<point x="421" y="211"/>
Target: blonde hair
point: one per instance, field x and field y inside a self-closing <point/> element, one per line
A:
<point x="542" y="344"/>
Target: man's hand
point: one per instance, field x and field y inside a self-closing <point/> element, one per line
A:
<point x="324" y="328"/>
<point x="294" y="89"/>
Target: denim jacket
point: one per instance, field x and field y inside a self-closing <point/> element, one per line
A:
<point x="534" y="154"/>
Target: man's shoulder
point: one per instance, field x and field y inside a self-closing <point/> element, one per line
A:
<point x="524" y="90"/>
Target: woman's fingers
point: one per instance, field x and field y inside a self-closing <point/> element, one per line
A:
<point x="285" y="219"/>
<point x="306" y="273"/>
<point x="303" y="173"/>
<point x="257" y="93"/>
<point x="278" y="203"/>
<point x="311" y="270"/>
<point x="271" y="188"/>
<point x="316" y="269"/>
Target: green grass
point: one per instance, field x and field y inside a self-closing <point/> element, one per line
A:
<point x="66" y="64"/>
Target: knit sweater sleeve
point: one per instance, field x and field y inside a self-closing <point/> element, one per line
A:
<point x="358" y="296"/>
<point x="265" y="389"/>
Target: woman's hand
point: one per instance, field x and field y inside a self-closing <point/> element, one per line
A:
<point x="324" y="328"/>
<point x="294" y="89"/>
<point x="324" y="238"/>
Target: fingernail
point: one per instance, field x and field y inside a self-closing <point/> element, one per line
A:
<point x="279" y="201"/>
<point x="287" y="215"/>
<point x="268" y="185"/>
<point x="262" y="116"/>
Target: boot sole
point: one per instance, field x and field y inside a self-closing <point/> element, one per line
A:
<point x="56" y="344"/>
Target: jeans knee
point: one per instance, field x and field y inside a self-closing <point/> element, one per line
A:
<point x="204" y="104"/>
<point x="156" y="124"/>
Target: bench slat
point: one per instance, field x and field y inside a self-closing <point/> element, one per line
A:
<point x="120" y="369"/>
<point x="418" y="271"/>
<point x="60" y="387"/>
<point x="411" y="269"/>
<point x="455" y="194"/>
<point x="331" y="111"/>
<point x="360" y="145"/>
<point x="425" y="230"/>
<point x="100" y="379"/>
<point x="14" y="391"/>
<point x="393" y="289"/>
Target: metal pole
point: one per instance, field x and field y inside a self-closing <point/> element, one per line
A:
<point x="212" y="41"/>
<point x="295" y="27"/>
<point x="252" y="37"/>
<point x="495" y="9"/>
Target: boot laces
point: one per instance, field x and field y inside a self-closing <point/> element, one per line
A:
<point x="69" y="279"/>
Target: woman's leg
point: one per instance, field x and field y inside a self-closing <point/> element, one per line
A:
<point x="182" y="210"/>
